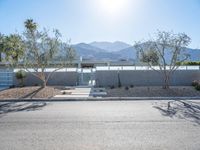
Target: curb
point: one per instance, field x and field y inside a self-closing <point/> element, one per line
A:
<point x="99" y="99"/>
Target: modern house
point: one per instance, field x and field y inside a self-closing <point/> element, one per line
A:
<point x="103" y="73"/>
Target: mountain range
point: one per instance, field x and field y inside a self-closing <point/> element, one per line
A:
<point x="116" y="51"/>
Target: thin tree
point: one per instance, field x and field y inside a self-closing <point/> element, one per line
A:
<point x="165" y="43"/>
<point x="41" y="52"/>
<point x="70" y="54"/>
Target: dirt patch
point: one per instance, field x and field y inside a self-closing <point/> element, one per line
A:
<point x="176" y="91"/>
<point x="29" y="92"/>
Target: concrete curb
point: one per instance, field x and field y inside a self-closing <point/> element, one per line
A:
<point x="99" y="99"/>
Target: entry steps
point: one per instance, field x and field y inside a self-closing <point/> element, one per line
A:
<point x="81" y="92"/>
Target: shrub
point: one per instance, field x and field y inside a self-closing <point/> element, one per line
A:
<point x="195" y="83"/>
<point x="112" y="87"/>
<point x="12" y="86"/>
<point x="189" y="63"/>
<point x="64" y="93"/>
<point x="197" y="87"/>
<point x="101" y="90"/>
<point x="119" y="80"/>
<point x="132" y="86"/>
<point x="20" y="75"/>
<point x="126" y="88"/>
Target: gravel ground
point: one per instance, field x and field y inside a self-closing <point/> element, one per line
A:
<point x="29" y="92"/>
<point x="49" y="92"/>
<point x="178" y="91"/>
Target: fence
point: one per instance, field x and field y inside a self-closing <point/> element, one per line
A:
<point x="6" y="78"/>
<point x="144" y="68"/>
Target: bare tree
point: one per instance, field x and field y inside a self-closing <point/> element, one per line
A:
<point x="41" y="52"/>
<point x="165" y="43"/>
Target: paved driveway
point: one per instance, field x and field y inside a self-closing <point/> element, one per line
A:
<point x="126" y="125"/>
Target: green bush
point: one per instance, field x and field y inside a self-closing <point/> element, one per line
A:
<point x="197" y="87"/>
<point x="127" y="88"/>
<point x="112" y="87"/>
<point x="189" y="63"/>
<point x="20" y="75"/>
<point x="64" y="93"/>
<point x="119" y="80"/>
<point x="195" y="83"/>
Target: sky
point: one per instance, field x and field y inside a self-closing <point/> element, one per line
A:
<point x="104" y="20"/>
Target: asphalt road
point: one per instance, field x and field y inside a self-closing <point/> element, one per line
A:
<point x="127" y="125"/>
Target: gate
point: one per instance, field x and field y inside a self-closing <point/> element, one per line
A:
<point x="86" y="77"/>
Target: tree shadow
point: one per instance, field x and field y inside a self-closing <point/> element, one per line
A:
<point x="32" y="94"/>
<point x="11" y="107"/>
<point x="187" y="110"/>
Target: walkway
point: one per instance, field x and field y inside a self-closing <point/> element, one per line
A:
<point x="76" y="92"/>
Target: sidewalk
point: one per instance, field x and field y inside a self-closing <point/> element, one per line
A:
<point x="62" y="99"/>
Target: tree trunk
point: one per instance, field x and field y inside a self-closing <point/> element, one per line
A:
<point x="166" y="82"/>
<point x="21" y="82"/>
<point x="43" y="78"/>
<point x="44" y="84"/>
<point x="0" y="57"/>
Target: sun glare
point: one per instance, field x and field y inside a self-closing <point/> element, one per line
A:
<point x="113" y="7"/>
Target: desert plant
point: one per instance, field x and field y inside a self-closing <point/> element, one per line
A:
<point x="101" y="90"/>
<point x="20" y="76"/>
<point x="112" y="87"/>
<point x="12" y="86"/>
<point x="154" y="52"/>
<point x="189" y="63"/>
<point x="42" y="49"/>
<point x="64" y="93"/>
<point x="195" y="83"/>
<point x="119" y="80"/>
<point x="126" y="88"/>
<point x="197" y="87"/>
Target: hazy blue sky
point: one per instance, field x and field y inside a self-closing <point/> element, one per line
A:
<point x="104" y="20"/>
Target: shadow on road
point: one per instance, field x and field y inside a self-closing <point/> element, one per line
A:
<point x="18" y="107"/>
<point x="32" y="94"/>
<point x="182" y="109"/>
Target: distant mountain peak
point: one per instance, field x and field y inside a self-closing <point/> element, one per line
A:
<point x="95" y="52"/>
<point x="110" y="46"/>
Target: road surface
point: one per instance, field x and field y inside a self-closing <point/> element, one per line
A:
<point x="117" y="125"/>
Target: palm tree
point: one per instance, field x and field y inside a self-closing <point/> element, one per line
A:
<point x="30" y="25"/>
<point x="13" y="48"/>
